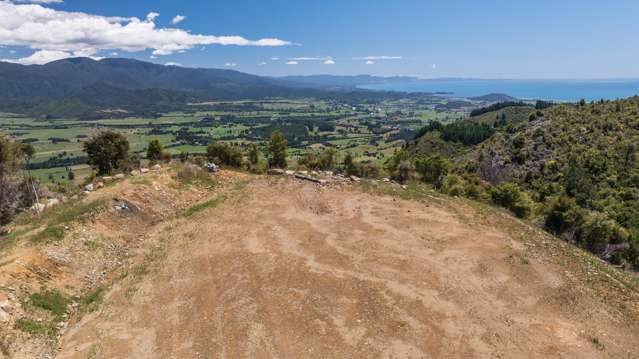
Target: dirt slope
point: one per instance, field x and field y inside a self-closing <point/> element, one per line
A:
<point x="283" y="269"/>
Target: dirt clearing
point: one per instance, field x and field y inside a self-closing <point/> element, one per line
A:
<point x="283" y="269"/>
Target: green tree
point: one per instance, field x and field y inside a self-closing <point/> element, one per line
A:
<point x="350" y="167"/>
<point x="16" y="193"/>
<point x="277" y="150"/>
<point x="253" y="154"/>
<point x="155" y="151"/>
<point x="107" y="151"/>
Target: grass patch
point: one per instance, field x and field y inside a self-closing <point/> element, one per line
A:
<point x="36" y="328"/>
<point x="140" y="181"/>
<point x="212" y="203"/>
<point x="77" y="211"/>
<point x="7" y="241"/>
<point x="49" y="233"/>
<point x="61" y="214"/>
<point x="190" y="174"/>
<point x="51" y="300"/>
<point x="92" y="300"/>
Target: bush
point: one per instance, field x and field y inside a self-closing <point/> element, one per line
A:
<point x="155" y="152"/>
<point x="253" y="154"/>
<point x="324" y="160"/>
<point x="598" y="231"/>
<point x="368" y="170"/>
<point x="224" y="154"/>
<point x="432" y="169"/>
<point x="453" y="185"/>
<point x="523" y="207"/>
<point x="106" y="151"/>
<point x="508" y="195"/>
<point x="399" y="166"/>
<point x="350" y="167"/>
<point x="563" y="215"/>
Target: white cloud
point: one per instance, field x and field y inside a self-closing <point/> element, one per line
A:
<point x="329" y="62"/>
<point x="41" y="57"/>
<point x="178" y="19"/>
<point x="150" y="17"/>
<point x="375" y="58"/>
<point x="173" y="64"/>
<point x="40" y="1"/>
<point x="369" y="62"/>
<point x="230" y="64"/>
<point x="77" y="33"/>
<point x="261" y="63"/>
<point x="275" y="58"/>
<point x="292" y="63"/>
<point x="434" y="66"/>
<point x="311" y="58"/>
<point x="305" y="58"/>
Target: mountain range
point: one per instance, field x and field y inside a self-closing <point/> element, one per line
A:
<point x="85" y="87"/>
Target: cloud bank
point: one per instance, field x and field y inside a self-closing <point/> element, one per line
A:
<point x="57" y="34"/>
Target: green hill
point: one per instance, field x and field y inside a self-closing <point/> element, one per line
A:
<point x="575" y="163"/>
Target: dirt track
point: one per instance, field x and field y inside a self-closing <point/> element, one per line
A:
<point x="283" y="269"/>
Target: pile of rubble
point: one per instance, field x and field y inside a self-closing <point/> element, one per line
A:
<point x="319" y="177"/>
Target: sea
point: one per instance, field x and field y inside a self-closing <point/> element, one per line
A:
<point x="553" y="90"/>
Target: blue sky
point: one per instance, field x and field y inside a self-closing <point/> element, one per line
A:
<point x="459" y="38"/>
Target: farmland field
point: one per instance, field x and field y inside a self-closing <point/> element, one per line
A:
<point x="370" y="131"/>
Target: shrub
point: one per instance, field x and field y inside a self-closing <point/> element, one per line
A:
<point x="106" y="151"/>
<point x="253" y="154"/>
<point x="350" y="167"/>
<point x="155" y="151"/>
<point x="598" y="231"/>
<point x="508" y="195"/>
<point x="324" y="160"/>
<point x="399" y="166"/>
<point x="368" y="170"/>
<point x="523" y="207"/>
<point x="224" y="154"/>
<point x="432" y="169"/>
<point x="453" y="185"/>
<point x="563" y="215"/>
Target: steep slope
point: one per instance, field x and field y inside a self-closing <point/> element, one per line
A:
<point x="274" y="267"/>
<point x="578" y="162"/>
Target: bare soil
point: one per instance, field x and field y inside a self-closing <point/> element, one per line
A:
<point x="288" y="269"/>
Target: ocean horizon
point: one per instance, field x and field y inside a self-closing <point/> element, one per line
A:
<point x="548" y="89"/>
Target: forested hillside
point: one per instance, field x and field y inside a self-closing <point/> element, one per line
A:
<point x="571" y="167"/>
